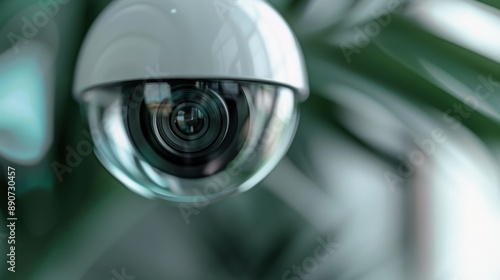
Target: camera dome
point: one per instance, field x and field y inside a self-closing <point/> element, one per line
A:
<point x="237" y="132"/>
<point x="190" y="100"/>
<point x="242" y="40"/>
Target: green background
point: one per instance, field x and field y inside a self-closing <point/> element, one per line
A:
<point x="366" y="112"/>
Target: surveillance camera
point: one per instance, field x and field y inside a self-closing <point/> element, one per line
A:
<point x="193" y="100"/>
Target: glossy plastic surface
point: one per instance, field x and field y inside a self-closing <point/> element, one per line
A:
<point x="244" y="40"/>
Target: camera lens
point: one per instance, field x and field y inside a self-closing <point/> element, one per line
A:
<point x="191" y="122"/>
<point x="187" y="128"/>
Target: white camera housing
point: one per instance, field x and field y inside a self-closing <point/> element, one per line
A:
<point x="190" y="101"/>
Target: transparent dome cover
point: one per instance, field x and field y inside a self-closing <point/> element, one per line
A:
<point x="190" y="141"/>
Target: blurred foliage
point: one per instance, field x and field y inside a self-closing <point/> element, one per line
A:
<point x="90" y="224"/>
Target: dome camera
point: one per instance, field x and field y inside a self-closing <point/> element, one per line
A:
<point x="190" y="99"/>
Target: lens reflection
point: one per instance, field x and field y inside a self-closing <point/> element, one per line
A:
<point x="195" y="125"/>
<point x="190" y="120"/>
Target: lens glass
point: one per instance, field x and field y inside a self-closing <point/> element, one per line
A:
<point x="191" y="141"/>
<point x="188" y="128"/>
<point x="190" y="122"/>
